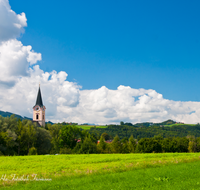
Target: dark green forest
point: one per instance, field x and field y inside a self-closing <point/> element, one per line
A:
<point x="143" y="131"/>
<point x="23" y="137"/>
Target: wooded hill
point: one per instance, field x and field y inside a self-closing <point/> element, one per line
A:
<point x="8" y="114"/>
<point x="165" y="129"/>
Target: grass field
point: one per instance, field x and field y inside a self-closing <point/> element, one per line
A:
<point x="182" y="176"/>
<point x="179" y="124"/>
<point x="87" y="127"/>
<point x="77" y="169"/>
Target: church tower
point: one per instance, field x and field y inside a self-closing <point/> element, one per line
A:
<point x="39" y="110"/>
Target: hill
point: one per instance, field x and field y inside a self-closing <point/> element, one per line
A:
<point x="142" y="130"/>
<point x="8" y="114"/>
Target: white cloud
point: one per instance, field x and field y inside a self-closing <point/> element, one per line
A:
<point x="65" y="101"/>
<point x="15" y="60"/>
<point x="11" y="24"/>
<point x="112" y="106"/>
<point x="22" y="96"/>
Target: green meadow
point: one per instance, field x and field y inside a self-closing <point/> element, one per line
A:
<point x="102" y="171"/>
<point x="87" y="127"/>
<point x="179" y="124"/>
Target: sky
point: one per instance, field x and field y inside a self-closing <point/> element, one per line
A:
<point x="102" y="61"/>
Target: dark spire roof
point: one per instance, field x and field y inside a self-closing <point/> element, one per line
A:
<point x="39" y="99"/>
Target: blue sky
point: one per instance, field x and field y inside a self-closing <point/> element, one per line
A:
<point x="141" y="44"/>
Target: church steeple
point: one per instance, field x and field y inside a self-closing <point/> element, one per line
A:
<point x="39" y="98"/>
<point x="39" y="110"/>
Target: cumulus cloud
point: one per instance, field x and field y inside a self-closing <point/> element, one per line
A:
<point x="22" y="96"/>
<point x="11" y="24"/>
<point x="20" y="76"/>
<point x="15" y="60"/>
<point x="104" y="106"/>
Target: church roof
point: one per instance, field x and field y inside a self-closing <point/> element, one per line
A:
<point x="39" y="99"/>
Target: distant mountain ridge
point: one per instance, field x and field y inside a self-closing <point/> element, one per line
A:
<point x="8" y="114"/>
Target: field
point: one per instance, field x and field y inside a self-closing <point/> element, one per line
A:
<point x="100" y="171"/>
<point x="87" y="127"/>
<point x="179" y="124"/>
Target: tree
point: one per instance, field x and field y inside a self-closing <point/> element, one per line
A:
<point x="10" y="141"/>
<point x="88" y="147"/>
<point x="93" y="137"/>
<point x="132" y="144"/>
<point x="124" y="140"/>
<point x="121" y="123"/>
<point x="105" y="136"/>
<point x="102" y="145"/>
<point x="69" y="136"/>
<point x="192" y="145"/>
<point x="125" y="147"/>
<point x="43" y="142"/>
<point x="21" y="136"/>
<point x="4" y="141"/>
<point x="84" y="134"/>
<point x="198" y="144"/>
<point x="31" y="136"/>
<point x="148" y="145"/>
<point x="55" y="134"/>
<point x="182" y="144"/>
<point x="116" y="146"/>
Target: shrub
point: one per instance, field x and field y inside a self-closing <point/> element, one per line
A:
<point x="32" y="151"/>
<point x="1" y="154"/>
<point x="65" y="150"/>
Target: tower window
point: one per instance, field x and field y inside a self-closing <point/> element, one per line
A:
<point x="43" y="116"/>
<point x="37" y="116"/>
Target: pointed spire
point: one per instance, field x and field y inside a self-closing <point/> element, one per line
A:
<point x="39" y="98"/>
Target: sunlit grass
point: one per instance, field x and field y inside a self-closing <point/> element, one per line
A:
<point x="87" y="127"/>
<point x="54" y="166"/>
<point x="179" y="124"/>
<point x="179" y="176"/>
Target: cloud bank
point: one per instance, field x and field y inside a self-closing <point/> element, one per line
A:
<point x="20" y="75"/>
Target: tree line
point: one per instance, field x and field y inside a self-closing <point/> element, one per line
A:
<point x="23" y="137"/>
<point x="145" y="131"/>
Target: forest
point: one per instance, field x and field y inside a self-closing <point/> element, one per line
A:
<point x="24" y="137"/>
<point x="143" y="130"/>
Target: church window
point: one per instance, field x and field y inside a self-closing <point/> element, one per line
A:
<point x="43" y="116"/>
<point x="37" y="116"/>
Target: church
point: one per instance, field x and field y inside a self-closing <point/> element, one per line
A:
<point x="39" y="110"/>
